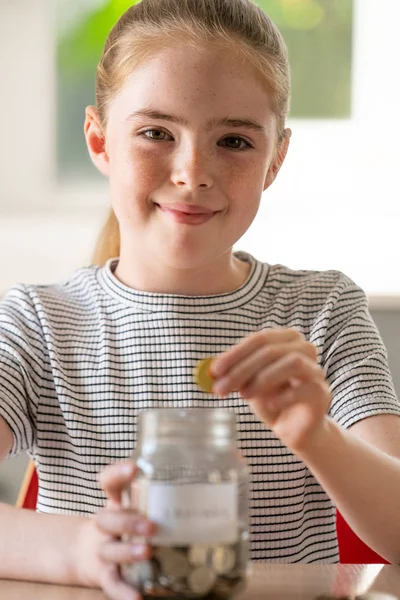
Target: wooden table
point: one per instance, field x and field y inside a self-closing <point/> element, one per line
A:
<point x="267" y="582"/>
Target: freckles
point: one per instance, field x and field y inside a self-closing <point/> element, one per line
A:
<point x="144" y="160"/>
<point x="145" y="171"/>
<point x="240" y="179"/>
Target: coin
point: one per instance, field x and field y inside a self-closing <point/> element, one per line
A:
<point x="198" y="555"/>
<point x="202" y="580"/>
<point x="160" y="551"/>
<point x="140" y="573"/>
<point x="202" y="375"/>
<point x="174" y="564"/>
<point x="223" y="560"/>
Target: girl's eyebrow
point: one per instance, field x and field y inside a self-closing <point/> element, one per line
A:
<point x="210" y="125"/>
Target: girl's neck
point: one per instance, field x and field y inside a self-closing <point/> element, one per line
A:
<point x="226" y="274"/>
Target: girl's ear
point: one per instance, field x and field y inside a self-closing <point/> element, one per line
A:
<point x="279" y="157"/>
<point x="96" y="141"/>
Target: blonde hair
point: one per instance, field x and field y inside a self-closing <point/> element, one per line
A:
<point x="239" y="25"/>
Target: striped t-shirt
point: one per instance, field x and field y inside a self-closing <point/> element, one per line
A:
<point x="81" y="359"/>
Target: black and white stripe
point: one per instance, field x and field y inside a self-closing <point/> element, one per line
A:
<point x="80" y="360"/>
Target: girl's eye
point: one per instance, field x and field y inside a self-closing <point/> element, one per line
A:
<point x="156" y="137"/>
<point x="237" y="140"/>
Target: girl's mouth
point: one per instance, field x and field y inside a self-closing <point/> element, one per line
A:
<point x="187" y="218"/>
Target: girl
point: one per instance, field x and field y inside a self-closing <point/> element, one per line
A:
<point x="189" y="127"/>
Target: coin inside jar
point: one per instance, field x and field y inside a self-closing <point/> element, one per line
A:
<point x="198" y="555"/>
<point x="174" y="564"/>
<point x="223" y="560"/>
<point x="202" y="374"/>
<point x="201" y="580"/>
<point x="173" y="574"/>
<point x="140" y="573"/>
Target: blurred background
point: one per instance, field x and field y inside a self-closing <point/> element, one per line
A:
<point x="334" y="205"/>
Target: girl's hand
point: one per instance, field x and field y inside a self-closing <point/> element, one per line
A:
<point x="103" y="550"/>
<point x="276" y="371"/>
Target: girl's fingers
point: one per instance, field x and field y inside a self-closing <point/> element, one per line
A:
<point x="296" y="412"/>
<point x="224" y="362"/>
<point x="124" y="552"/>
<point x="303" y="394"/>
<point x="123" y="522"/>
<point x="115" y="588"/>
<point x="275" y="377"/>
<point x="114" y="478"/>
<point x="244" y="372"/>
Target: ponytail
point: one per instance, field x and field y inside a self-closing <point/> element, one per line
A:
<point x="108" y="242"/>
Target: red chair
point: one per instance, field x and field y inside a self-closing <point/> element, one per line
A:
<point x="29" y="489"/>
<point x="351" y="549"/>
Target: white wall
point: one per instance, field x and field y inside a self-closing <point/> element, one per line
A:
<point x="336" y="203"/>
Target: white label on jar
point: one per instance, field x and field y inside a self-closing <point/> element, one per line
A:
<point x="193" y="513"/>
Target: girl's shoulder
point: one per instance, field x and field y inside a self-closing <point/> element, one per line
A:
<point x="29" y="301"/>
<point x="311" y="286"/>
<point x="283" y="278"/>
<point x="314" y="301"/>
<point x="283" y="275"/>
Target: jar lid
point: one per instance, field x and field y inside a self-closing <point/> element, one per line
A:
<point x="213" y="424"/>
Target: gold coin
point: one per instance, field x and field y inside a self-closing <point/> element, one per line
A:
<point x="223" y="560"/>
<point x="202" y="374"/>
<point x="202" y="580"/>
<point x="197" y="555"/>
<point x="174" y="564"/>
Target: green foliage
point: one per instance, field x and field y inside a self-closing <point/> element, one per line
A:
<point x="80" y="49"/>
<point x="318" y="34"/>
<point x="294" y="14"/>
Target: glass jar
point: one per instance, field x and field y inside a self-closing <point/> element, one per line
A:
<point x="193" y="483"/>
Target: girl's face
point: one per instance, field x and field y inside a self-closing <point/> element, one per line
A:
<point x="189" y="149"/>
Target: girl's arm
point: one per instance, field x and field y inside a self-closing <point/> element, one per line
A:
<point x="74" y="550"/>
<point x="360" y="471"/>
<point x="36" y="547"/>
<point x="277" y="372"/>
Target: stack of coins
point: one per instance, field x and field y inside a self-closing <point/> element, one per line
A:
<point x="209" y="572"/>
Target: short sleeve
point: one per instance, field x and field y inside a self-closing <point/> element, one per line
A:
<point x="355" y="359"/>
<point x="21" y="367"/>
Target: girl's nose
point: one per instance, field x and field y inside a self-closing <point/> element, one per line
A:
<point x="192" y="169"/>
